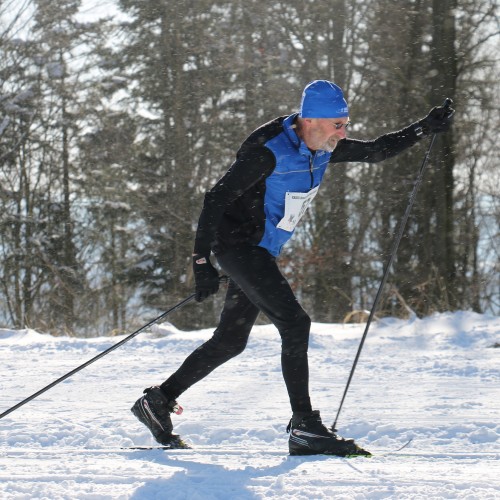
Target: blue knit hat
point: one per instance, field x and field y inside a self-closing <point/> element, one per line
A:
<point x="323" y="99"/>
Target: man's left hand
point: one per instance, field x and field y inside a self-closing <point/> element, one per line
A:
<point x="438" y="120"/>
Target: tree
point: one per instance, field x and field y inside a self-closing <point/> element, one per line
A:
<point x="106" y="151"/>
<point x="42" y="274"/>
<point x="112" y="231"/>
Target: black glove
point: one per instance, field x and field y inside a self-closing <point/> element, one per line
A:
<point x="438" y="120"/>
<point x="205" y="276"/>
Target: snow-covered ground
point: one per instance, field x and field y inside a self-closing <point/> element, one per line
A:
<point x="435" y="380"/>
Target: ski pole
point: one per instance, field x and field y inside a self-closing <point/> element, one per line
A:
<point x="447" y="103"/>
<point x="223" y="279"/>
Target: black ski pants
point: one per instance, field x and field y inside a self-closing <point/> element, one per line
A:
<point x="256" y="284"/>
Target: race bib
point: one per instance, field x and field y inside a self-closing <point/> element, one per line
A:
<point x="295" y="206"/>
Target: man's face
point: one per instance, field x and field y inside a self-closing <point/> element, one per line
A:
<point x="322" y="133"/>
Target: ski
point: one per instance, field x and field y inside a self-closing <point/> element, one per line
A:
<point x="160" y="447"/>
<point x="397" y="450"/>
<point x="176" y="443"/>
<point x="234" y="451"/>
<point x="179" y="445"/>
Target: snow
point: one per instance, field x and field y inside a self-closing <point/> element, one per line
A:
<point x="432" y="380"/>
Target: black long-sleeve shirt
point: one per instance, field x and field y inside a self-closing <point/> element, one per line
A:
<point x="248" y="205"/>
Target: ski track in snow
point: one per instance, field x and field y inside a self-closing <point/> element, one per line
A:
<point x="435" y="381"/>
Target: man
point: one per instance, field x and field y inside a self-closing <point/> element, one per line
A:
<point x="246" y="219"/>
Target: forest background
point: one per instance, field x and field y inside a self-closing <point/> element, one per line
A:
<point x="116" y="117"/>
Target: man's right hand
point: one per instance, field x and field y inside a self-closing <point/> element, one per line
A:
<point x="205" y="276"/>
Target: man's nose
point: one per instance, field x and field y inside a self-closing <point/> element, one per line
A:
<point x="341" y="132"/>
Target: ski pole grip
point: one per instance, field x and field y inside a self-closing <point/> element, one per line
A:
<point x="448" y="111"/>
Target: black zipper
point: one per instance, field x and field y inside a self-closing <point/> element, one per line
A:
<point x="311" y="161"/>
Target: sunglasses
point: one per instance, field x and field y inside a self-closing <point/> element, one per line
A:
<point x="338" y="126"/>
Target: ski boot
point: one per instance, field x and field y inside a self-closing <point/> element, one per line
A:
<point x="153" y="410"/>
<point x="308" y="436"/>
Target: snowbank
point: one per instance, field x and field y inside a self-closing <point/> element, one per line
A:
<point x="435" y="381"/>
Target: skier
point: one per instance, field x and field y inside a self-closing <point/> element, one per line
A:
<point x="246" y="219"/>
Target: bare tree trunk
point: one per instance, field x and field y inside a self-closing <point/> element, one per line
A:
<point x="444" y="69"/>
<point x="332" y="289"/>
<point x="68" y="267"/>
